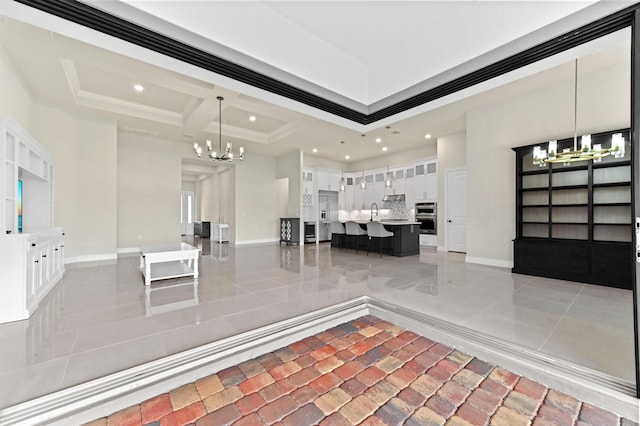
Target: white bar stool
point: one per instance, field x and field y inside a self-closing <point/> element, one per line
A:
<point x="377" y="230"/>
<point x="354" y="229"/>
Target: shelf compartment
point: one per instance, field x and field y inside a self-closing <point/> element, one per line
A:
<point x="612" y="194"/>
<point x="570" y="231"/>
<point x="535" y="198"/>
<point x="612" y="214"/>
<point x="535" y="230"/>
<point x="617" y="232"/>
<point x="535" y="181"/>
<point x="570" y="196"/>
<point x="608" y="175"/>
<point x="566" y="214"/>
<point x="570" y="178"/>
<point x="535" y="214"/>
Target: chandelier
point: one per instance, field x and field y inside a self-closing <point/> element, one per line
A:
<point x="220" y="155"/>
<point x="586" y="152"/>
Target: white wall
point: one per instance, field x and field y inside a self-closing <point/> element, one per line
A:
<point x="16" y="101"/>
<point x="188" y="186"/>
<point x="452" y="153"/>
<point x="149" y="186"/>
<point x="311" y="161"/>
<point x="429" y="149"/>
<point x="256" y="214"/>
<point x="85" y="151"/>
<point x="290" y="167"/>
<point x="534" y="117"/>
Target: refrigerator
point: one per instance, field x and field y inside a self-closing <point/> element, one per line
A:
<point x="327" y="213"/>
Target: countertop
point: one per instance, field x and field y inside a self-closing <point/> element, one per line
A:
<point x="385" y="222"/>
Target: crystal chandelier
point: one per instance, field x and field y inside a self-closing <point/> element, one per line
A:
<point x="220" y="155"/>
<point x="586" y="152"/>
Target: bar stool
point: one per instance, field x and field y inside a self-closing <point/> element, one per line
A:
<point x="377" y="230"/>
<point x="337" y="228"/>
<point x="354" y="229"/>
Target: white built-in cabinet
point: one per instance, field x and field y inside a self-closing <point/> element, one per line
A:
<point x="31" y="250"/>
<point x="417" y="181"/>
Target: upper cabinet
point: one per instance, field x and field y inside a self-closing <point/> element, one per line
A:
<point x="328" y="180"/>
<point x="417" y="181"/>
<point x="27" y="181"/>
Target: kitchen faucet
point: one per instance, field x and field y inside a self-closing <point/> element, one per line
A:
<point x="374" y="204"/>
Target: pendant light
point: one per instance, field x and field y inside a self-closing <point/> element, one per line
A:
<point x="363" y="184"/>
<point x="387" y="182"/>
<point x="342" y="183"/>
<point x="220" y="155"/>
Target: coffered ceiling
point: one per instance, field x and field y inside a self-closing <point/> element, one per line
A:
<point x="84" y="71"/>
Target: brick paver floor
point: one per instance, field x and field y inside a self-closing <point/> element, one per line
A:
<point x="369" y="372"/>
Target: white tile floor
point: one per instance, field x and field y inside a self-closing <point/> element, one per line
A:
<point x="100" y="318"/>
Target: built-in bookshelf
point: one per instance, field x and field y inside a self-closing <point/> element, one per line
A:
<point x="574" y="221"/>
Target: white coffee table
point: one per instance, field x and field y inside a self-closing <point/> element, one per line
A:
<point x="169" y="261"/>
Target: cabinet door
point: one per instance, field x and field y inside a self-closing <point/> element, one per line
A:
<point x="334" y="181"/>
<point x="349" y="198"/>
<point x="358" y="197"/>
<point x="322" y="179"/>
<point x="31" y="285"/>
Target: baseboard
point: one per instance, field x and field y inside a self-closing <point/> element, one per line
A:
<point x="101" y="397"/>
<point x="490" y="262"/>
<point x="126" y="250"/>
<point x="90" y="258"/>
<point x="266" y="241"/>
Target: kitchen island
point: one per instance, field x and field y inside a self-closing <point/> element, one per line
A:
<point x="406" y="238"/>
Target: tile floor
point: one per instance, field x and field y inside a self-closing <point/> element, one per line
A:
<point x="101" y="319"/>
<point x="364" y="372"/>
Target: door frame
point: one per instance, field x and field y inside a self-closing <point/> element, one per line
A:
<point x="446" y="203"/>
<point x="187" y="228"/>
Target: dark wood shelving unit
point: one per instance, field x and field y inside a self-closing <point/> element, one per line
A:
<point x="574" y="222"/>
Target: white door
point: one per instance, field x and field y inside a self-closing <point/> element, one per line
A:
<point x="456" y="210"/>
<point x="187" y="209"/>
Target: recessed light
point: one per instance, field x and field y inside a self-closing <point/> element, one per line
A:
<point x="138" y="87"/>
<point x="378" y="140"/>
<point x="315" y="149"/>
<point x="427" y="136"/>
<point x="346" y="157"/>
<point x="384" y="148"/>
<point x="252" y="118"/>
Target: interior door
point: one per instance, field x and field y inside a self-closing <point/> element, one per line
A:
<point x="187" y="209"/>
<point x="456" y="210"/>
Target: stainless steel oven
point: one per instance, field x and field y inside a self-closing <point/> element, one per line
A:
<point x="427" y="215"/>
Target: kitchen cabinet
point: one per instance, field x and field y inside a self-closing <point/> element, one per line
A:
<point x="33" y="265"/>
<point x="328" y="180"/>
<point x="575" y="222"/>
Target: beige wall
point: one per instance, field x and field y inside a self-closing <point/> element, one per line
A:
<point x="452" y="153"/>
<point x="256" y="215"/>
<point x="429" y="149"/>
<point x="16" y="101"/>
<point x="290" y="167"/>
<point x="188" y="186"/>
<point x="149" y="185"/>
<point x="311" y="161"/>
<point x="535" y="117"/>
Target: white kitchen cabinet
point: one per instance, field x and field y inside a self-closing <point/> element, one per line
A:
<point x="397" y="186"/>
<point x="32" y="265"/>
<point x="333" y="179"/>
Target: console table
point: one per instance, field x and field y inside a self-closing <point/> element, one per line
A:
<point x="170" y="261"/>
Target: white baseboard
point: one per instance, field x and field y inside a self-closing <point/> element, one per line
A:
<point x="266" y="241"/>
<point x="490" y="262"/>
<point x="90" y="258"/>
<point x="126" y="250"/>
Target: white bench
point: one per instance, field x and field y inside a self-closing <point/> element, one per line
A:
<point x="170" y="261"/>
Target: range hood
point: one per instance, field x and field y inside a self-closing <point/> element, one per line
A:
<point x="393" y="197"/>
